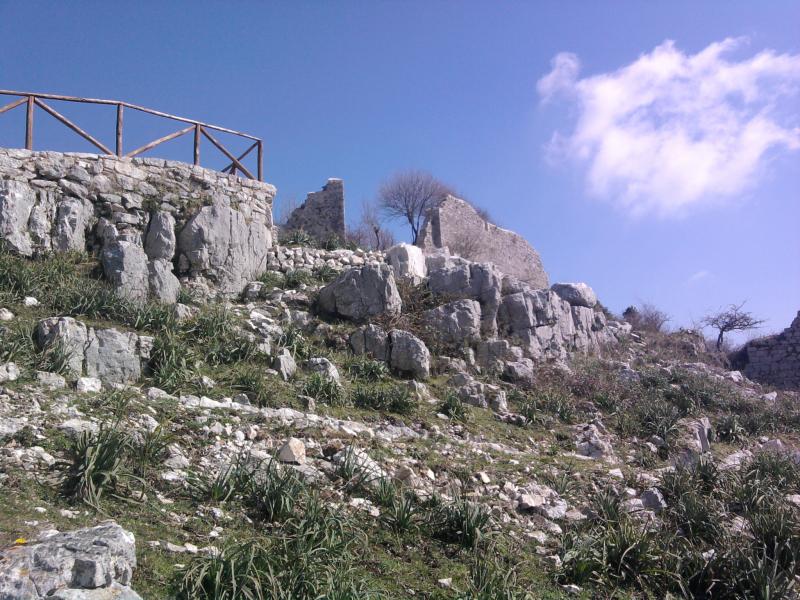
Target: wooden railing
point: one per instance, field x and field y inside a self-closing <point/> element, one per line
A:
<point x="32" y="100"/>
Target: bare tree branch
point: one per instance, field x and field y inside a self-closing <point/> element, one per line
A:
<point x="409" y="195"/>
<point x="731" y="319"/>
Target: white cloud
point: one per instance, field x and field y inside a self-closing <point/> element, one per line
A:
<point x="698" y="276"/>
<point x="674" y="130"/>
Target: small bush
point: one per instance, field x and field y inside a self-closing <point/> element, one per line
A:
<point x="149" y="450"/>
<point x="298" y="277"/>
<point x="460" y="521"/>
<point x="298" y="237"/>
<point x="325" y="273"/>
<point x="392" y="398"/>
<point x="367" y="370"/>
<point x="96" y="466"/>
<point x="324" y="390"/>
<point x="171" y="361"/>
<point x="400" y="514"/>
<point x="272" y="492"/>
<point x="729" y="429"/>
<point x="231" y="480"/>
<point x="293" y="340"/>
<point x="310" y="556"/>
<point x="216" y="330"/>
<point x="454" y="407"/>
<point x="385" y="492"/>
<point x="250" y="380"/>
<point x="490" y="579"/>
<point x="272" y="280"/>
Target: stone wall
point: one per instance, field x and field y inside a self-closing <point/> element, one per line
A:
<point x="285" y="259"/>
<point x="775" y="360"/>
<point x="322" y="214"/>
<point x="150" y="221"/>
<point x="454" y="224"/>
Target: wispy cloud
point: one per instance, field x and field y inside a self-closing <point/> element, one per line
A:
<point x="673" y="130"/>
<point x="698" y="276"/>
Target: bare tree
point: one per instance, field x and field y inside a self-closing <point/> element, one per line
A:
<point x="732" y="318"/>
<point x="370" y="231"/>
<point x="409" y="195"/>
<point x="646" y="317"/>
<point x="285" y="208"/>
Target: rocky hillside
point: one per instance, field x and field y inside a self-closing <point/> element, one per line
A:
<point x="365" y="426"/>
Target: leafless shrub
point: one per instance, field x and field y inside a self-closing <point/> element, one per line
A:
<point x="730" y="319"/>
<point x="646" y="317"/>
<point x="285" y="207"/>
<point x="409" y="195"/>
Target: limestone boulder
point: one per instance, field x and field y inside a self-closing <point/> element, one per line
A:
<point x="125" y="265"/>
<point x="456" y="323"/>
<point x="71" y="335"/>
<point x="577" y="294"/>
<point x="226" y="245"/>
<point x="293" y="452"/>
<point x="362" y="292"/>
<point x="477" y="393"/>
<point x="323" y="367"/>
<point x="17" y="200"/>
<point x="107" y="354"/>
<point x="372" y="341"/>
<point x="113" y="356"/>
<point x="408" y="354"/>
<point x="162" y="283"/>
<point x="285" y="365"/>
<point x="92" y="563"/>
<point x="407" y="261"/>
<point x="455" y="277"/>
<point x="160" y="242"/>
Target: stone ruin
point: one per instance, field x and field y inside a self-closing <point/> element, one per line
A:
<point x="455" y="225"/>
<point x="322" y="214"/>
<point x="775" y="359"/>
<point x="152" y="222"/>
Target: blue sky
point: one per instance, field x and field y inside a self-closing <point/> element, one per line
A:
<point x="360" y="90"/>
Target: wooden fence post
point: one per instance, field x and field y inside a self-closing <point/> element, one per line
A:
<point x="119" y="129"/>
<point x="260" y="160"/>
<point x="197" y="144"/>
<point x="29" y="125"/>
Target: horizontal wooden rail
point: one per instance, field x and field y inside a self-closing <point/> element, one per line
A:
<point x="33" y="99"/>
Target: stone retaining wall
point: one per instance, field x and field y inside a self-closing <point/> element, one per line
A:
<point x="285" y="258"/>
<point x="775" y="360"/>
<point x="151" y="221"/>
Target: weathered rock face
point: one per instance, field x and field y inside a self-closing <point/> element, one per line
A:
<point x="407" y="261"/>
<point x="408" y="354"/>
<point x="454" y="224"/>
<point x="96" y="562"/>
<point x="226" y="245"/>
<point x="456" y="323"/>
<point x="322" y="214"/>
<point x="546" y="326"/>
<point x="372" y="341"/>
<point x="577" y="294"/>
<point x="456" y="277"/>
<point x="107" y="354"/>
<point x="362" y="292"/>
<point x="131" y="213"/>
<point x="775" y="360"/>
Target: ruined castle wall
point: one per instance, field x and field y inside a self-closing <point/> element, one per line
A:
<point x="322" y="214"/>
<point x="775" y="360"/>
<point x="454" y="224"/>
<point x="151" y="221"/>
